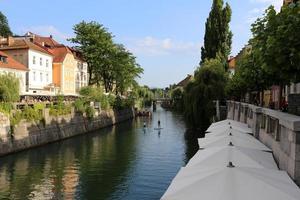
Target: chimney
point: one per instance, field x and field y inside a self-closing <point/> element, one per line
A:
<point x="43" y="44"/>
<point x="51" y="36"/>
<point x="10" y="40"/>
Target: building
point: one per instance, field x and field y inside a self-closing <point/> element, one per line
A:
<point x="287" y="2"/>
<point x="70" y="71"/>
<point x="231" y="65"/>
<point x="185" y="81"/>
<point x="64" y="66"/>
<point x="10" y="66"/>
<point x="81" y="71"/>
<point x="36" y="58"/>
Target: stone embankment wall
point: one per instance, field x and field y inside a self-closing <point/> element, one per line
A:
<point x="279" y="131"/>
<point x="30" y="134"/>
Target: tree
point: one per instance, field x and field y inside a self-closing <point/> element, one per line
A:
<point x="96" y="44"/>
<point x="218" y="37"/>
<point x="276" y="44"/>
<point x="249" y="76"/>
<point x="4" y="27"/>
<point x="125" y="69"/>
<point x="9" y="88"/>
<point x="199" y="94"/>
<point x="110" y="64"/>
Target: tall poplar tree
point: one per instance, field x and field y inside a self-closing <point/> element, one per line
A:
<point x="4" y="27"/>
<point x="218" y="37"/>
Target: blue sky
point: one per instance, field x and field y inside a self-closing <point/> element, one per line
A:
<point x="165" y="35"/>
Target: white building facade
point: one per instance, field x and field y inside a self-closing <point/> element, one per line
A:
<point x="40" y="72"/>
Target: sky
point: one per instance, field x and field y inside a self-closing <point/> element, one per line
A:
<point x="165" y="35"/>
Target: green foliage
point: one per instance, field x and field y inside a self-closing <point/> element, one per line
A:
<point x="31" y="114"/>
<point x="90" y="112"/>
<point x="28" y="113"/>
<point x="6" y="107"/>
<point x="218" y="37"/>
<point x="39" y="106"/>
<point x="177" y="98"/>
<point x="104" y="102"/>
<point x="9" y="88"/>
<point x="110" y="64"/>
<point x="276" y="44"/>
<point x="90" y="93"/>
<point x="15" y="118"/>
<point x="199" y="94"/>
<point x="60" y="108"/>
<point x="4" y="27"/>
<point x="79" y="105"/>
<point x="249" y="76"/>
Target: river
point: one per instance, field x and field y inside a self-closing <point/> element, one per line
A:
<point x="121" y="162"/>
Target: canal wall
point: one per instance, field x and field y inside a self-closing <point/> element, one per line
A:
<point x="279" y="131"/>
<point x="31" y="134"/>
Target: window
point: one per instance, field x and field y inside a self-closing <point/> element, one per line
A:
<point x="34" y="76"/>
<point x="47" y="77"/>
<point x="3" y="59"/>
<point x="41" y="77"/>
<point x="33" y="60"/>
<point x="41" y="61"/>
<point x="47" y="63"/>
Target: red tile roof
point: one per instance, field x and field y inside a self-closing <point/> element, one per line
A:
<point x="45" y="41"/>
<point x="185" y="81"/>
<point x="59" y="53"/>
<point x="25" y="44"/>
<point x="11" y="63"/>
<point x="232" y="63"/>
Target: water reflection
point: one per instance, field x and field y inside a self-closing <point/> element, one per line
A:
<point x="121" y="162"/>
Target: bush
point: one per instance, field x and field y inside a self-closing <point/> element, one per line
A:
<point x="104" y="102"/>
<point x="79" y="105"/>
<point x="6" y="107"/>
<point x="31" y="114"/>
<point x="60" y="108"/>
<point x="9" y="88"/>
<point x="90" y="93"/>
<point x="90" y="112"/>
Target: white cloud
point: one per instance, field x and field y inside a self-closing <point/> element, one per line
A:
<point x="276" y="3"/>
<point x="154" y="46"/>
<point x="261" y="6"/>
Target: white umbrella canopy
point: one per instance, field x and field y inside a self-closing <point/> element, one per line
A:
<point x="231" y="183"/>
<point x="228" y="132"/>
<point x="228" y="122"/>
<point x="229" y="127"/>
<point x="243" y="157"/>
<point x="249" y="142"/>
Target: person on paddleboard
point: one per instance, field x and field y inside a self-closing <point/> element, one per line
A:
<point x="158" y="123"/>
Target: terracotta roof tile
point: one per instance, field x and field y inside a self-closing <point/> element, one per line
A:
<point x="59" y="53"/>
<point x="185" y="81"/>
<point x="11" y="63"/>
<point x="25" y="44"/>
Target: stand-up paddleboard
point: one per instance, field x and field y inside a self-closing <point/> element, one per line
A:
<point x="158" y="128"/>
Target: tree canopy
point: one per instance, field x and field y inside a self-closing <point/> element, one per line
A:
<point x="199" y="94"/>
<point x="110" y="64"/>
<point x="4" y="27"/>
<point x="218" y="37"/>
<point x="276" y="43"/>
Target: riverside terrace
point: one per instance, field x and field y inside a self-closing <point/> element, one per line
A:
<point x="230" y="165"/>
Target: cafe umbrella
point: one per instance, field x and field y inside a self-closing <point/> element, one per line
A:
<point x="244" y="157"/>
<point x="231" y="183"/>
